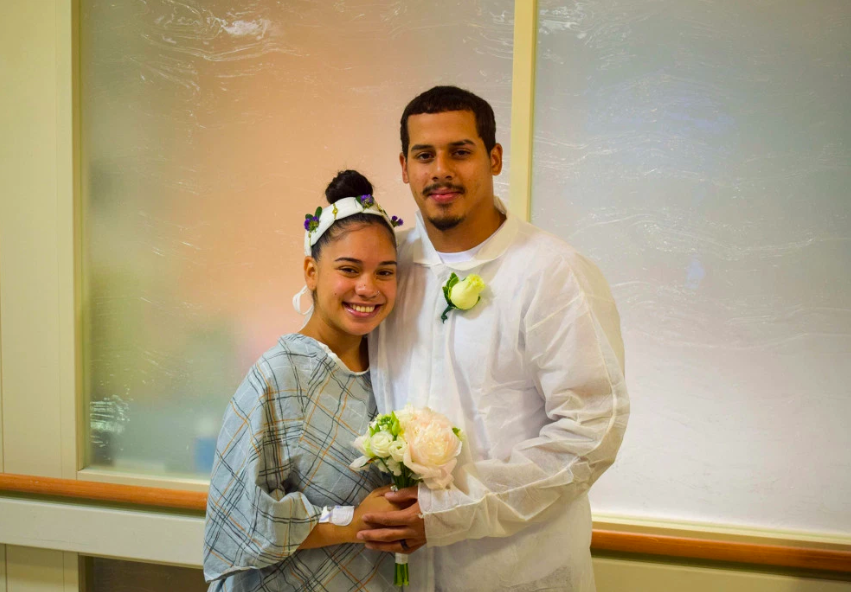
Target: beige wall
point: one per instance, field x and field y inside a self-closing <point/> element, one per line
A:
<point x="35" y="167"/>
<point x="35" y="234"/>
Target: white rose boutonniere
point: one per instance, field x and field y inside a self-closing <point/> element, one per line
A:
<point x="462" y="294"/>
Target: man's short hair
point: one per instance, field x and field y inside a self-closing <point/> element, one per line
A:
<point x="451" y="98"/>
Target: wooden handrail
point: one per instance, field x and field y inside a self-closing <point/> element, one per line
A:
<point x="104" y="492"/>
<point x="602" y="540"/>
<point x="719" y="550"/>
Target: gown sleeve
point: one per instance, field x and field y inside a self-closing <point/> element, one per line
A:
<point x="252" y="520"/>
<point x="574" y="354"/>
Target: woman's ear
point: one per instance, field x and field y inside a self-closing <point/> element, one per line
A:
<point x="310" y="272"/>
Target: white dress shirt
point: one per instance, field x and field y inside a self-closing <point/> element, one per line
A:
<point x="534" y="376"/>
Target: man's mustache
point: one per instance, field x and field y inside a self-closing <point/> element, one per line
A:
<point x="447" y="186"/>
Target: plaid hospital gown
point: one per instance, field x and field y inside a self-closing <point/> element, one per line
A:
<point x="284" y="453"/>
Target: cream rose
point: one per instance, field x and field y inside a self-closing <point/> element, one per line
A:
<point x="406" y="415"/>
<point x="465" y="294"/>
<point x="432" y="448"/>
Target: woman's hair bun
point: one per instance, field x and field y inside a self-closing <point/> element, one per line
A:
<point x="347" y="183"/>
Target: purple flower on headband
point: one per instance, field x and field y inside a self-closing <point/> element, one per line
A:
<point x="396" y="221"/>
<point x="311" y="221"/>
<point x="366" y="200"/>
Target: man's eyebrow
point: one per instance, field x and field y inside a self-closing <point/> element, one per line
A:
<point x="464" y="142"/>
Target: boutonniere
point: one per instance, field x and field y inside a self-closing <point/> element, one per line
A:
<point x="462" y="294"/>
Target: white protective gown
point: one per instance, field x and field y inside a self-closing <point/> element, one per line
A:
<point x="534" y="375"/>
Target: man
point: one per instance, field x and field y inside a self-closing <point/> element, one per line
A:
<point x="533" y="373"/>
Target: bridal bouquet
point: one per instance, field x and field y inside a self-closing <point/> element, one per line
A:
<point x="411" y="445"/>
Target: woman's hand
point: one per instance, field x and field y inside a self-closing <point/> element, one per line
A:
<point x="374" y="503"/>
<point x="327" y="534"/>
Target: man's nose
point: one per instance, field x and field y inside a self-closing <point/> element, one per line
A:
<point x="442" y="167"/>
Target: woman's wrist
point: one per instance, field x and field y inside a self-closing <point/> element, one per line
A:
<point x="327" y="534"/>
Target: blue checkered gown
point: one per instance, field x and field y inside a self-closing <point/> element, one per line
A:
<point x="283" y="453"/>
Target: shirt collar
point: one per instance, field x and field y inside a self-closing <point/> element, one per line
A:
<point x="424" y="252"/>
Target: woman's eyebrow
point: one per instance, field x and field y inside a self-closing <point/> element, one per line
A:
<point x="353" y="260"/>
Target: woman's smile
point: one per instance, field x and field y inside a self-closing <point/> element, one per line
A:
<point x="362" y="310"/>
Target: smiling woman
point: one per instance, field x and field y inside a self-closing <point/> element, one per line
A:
<point x="351" y="269"/>
<point x="281" y="486"/>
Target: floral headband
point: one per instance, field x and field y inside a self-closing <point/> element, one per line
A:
<point x="316" y="224"/>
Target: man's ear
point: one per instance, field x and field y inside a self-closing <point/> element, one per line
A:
<point x="404" y="163"/>
<point x="310" y="271"/>
<point x="496" y="159"/>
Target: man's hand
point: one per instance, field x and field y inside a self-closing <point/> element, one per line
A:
<point x="391" y="529"/>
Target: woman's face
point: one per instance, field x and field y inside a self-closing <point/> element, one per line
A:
<point x="354" y="280"/>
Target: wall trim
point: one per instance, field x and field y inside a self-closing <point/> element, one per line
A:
<point x="736" y="546"/>
<point x="523" y="107"/>
<point x="154" y="537"/>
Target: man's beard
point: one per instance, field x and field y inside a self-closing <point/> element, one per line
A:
<point x="446" y="223"/>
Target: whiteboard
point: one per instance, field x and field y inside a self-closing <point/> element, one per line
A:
<point x="700" y="153"/>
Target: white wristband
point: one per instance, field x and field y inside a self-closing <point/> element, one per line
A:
<point x="338" y="515"/>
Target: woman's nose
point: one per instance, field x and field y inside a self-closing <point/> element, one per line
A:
<point x="366" y="288"/>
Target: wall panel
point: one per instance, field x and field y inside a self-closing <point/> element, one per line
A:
<point x="29" y="235"/>
<point x="700" y="152"/>
<point x="619" y="575"/>
<point x="209" y="130"/>
<point x="34" y="570"/>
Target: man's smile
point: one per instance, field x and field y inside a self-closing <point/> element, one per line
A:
<point x="444" y="195"/>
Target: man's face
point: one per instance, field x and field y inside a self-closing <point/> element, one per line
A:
<point x="449" y="170"/>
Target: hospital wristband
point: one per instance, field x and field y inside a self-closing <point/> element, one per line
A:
<point x="338" y="515"/>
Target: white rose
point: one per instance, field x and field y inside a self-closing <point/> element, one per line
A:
<point x="394" y="466"/>
<point x="465" y="294"/>
<point x="360" y="444"/>
<point x="398" y="448"/>
<point x="379" y="444"/>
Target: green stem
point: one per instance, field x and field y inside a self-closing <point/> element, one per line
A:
<point x="445" y="314"/>
<point x="401" y="578"/>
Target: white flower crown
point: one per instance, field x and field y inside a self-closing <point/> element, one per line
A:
<point x="316" y="224"/>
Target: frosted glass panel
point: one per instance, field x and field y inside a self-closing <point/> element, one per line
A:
<point x="700" y="152"/>
<point x="209" y="129"/>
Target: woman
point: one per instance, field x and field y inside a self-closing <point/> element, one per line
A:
<point x="284" y="506"/>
